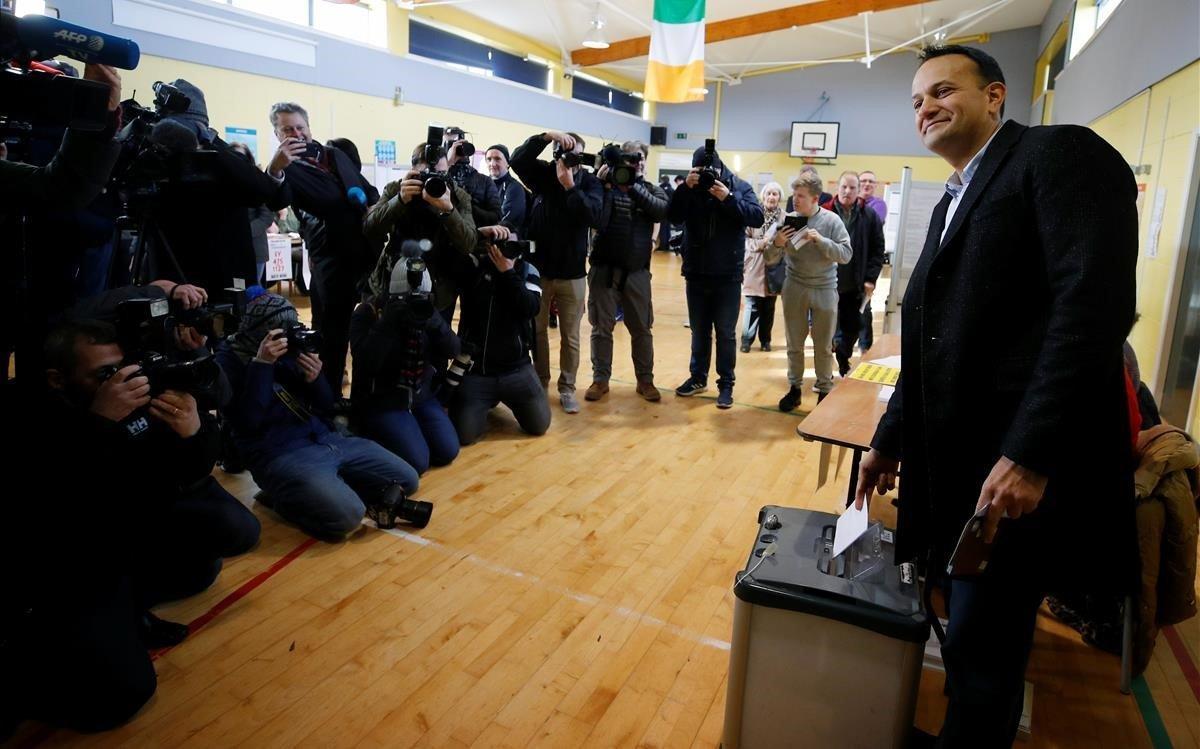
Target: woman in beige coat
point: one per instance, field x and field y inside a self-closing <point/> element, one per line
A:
<point x="759" y="315"/>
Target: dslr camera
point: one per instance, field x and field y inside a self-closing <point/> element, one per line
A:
<point x="213" y="320"/>
<point x="622" y="167"/>
<point x="571" y="159"/>
<point x="301" y="340"/>
<point x="708" y="171"/>
<point x="435" y="181"/>
<point x="144" y="328"/>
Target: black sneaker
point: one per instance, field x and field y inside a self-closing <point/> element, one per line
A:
<point x="690" y="387"/>
<point x="158" y="633"/>
<point x="766" y="347"/>
<point x="725" y="398"/>
<point x="790" y="401"/>
<point x="821" y="397"/>
<point x="745" y="348"/>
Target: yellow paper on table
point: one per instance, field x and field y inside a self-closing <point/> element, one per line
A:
<point x="875" y="373"/>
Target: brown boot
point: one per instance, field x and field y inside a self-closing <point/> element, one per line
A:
<point x="647" y="390"/>
<point x="597" y="391"/>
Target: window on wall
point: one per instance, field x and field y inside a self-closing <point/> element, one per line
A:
<point x="475" y="57"/>
<point x="292" y="11"/>
<point x="1089" y="16"/>
<point x="363" y="21"/>
<point x="593" y="92"/>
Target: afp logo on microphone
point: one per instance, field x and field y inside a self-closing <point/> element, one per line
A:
<point x="94" y="43"/>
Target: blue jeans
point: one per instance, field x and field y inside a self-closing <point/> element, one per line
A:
<point x="322" y="487"/>
<point x="988" y="639"/>
<point x="712" y="303"/>
<point x="422" y="437"/>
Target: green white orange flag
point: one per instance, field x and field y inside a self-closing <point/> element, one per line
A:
<point x="676" y="70"/>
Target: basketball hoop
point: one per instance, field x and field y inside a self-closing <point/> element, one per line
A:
<point x="810" y="156"/>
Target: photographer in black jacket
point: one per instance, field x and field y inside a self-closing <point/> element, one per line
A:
<point x="501" y="297"/>
<point x="399" y="341"/>
<point x="620" y="273"/>
<point x="715" y="219"/>
<point x="567" y="201"/>
<point x="203" y="213"/>
<point x="37" y="285"/>
<point x="331" y="198"/>
<point x="137" y="518"/>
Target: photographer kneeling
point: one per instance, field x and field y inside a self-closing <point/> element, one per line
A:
<point x="311" y="475"/>
<point x="398" y="340"/>
<point x="501" y="299"/>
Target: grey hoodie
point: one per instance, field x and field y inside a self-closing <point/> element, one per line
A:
<point x="813" y="264"/>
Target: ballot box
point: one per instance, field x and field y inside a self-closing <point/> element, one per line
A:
<point x="826" y="651"/>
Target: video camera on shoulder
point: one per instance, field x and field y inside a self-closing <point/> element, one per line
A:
<point x="709" y="174"/>
<point x="34" y="95"/>
<point x="144" y="333"/>
<point x="622" y="166"/>
<point x="570" y="159"/>
<point x="435" y="182"/>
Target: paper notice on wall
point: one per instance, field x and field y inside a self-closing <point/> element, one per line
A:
<point x="1156" y="219"/>
<point x="279" y="257"/>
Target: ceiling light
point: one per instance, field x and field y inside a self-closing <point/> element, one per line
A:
<point x="697" y="90"/>
<point x="595" y="36"/>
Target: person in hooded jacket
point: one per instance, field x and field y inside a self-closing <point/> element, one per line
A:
<point x="715" y="222"/>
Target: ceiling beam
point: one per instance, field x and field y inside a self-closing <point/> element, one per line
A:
<point x="758" y="23"/>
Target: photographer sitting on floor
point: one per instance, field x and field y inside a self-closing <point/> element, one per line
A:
<point x="137" y="519"/>
<point x="311" y="475"/>
<point x="398" y="340"/>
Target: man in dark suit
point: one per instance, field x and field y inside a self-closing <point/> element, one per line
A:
<point x="331" y="198"/>
<point x="1011" y="400"/>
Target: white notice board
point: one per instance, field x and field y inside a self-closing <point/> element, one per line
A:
<point x="911" y="211"/>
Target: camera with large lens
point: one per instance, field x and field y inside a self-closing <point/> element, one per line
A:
<point x="570" y="159"/>
<point x="708" y="171"/>
<point x="622" y="166"/>
<point x="394" y="505"/>
<point x="435" y="182"/>
<point x="515" y="249"/>
<point x="218" y="320"/>
<point x="144" y="328"/>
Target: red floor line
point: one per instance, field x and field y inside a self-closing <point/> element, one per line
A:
<point x="1185" y="660"/>
<point x="201" y="621"/>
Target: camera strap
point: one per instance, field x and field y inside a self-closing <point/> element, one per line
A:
<point x="293" y="404"/>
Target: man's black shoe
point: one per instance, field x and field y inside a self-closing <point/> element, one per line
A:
<point x="158" y="633"/>
<point x="690" y="387"/>
<point x="790" y="401"/>
<point x="821" y="397"/>
<point x="725" y="397"/>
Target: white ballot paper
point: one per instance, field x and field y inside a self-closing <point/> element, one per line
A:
<point x="851" y="525"/>
<point x="890" y="361"/>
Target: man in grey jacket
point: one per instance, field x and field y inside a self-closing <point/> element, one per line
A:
<point x="812" y="254"/>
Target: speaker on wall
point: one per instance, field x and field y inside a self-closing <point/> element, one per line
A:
<point x="658" y="135"/>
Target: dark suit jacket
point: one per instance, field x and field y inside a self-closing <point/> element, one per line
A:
<point x="1012" y="328"/>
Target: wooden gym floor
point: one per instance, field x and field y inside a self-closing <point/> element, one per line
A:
<point x="571" y="590"/>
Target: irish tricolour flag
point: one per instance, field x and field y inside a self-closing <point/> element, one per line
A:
<point x="676" y="71"/>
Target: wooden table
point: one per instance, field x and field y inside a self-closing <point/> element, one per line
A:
<point x="848" y="415"/>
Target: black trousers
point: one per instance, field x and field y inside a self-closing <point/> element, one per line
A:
<point x="988" y="639"/>
<point x="758" y="320"/>
<point x="335" y="287"/>
<point x="849" y="323"/>
<point x="185" y="542"/>
<point x="78" y="663"/>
